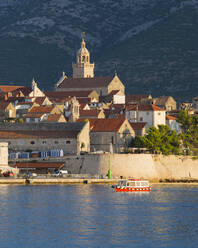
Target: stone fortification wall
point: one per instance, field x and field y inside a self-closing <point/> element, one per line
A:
<point x="153" y="167"/>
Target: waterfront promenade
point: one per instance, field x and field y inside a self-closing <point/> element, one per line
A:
<point x="45" y="181"/>
<point x="57" y="181"/>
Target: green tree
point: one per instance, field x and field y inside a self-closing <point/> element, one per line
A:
<point x="161" y="140"/>
<point x="189" y="135"/>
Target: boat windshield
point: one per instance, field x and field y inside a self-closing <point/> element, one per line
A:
<point x="122" y="183"/>
<point x="145" y="183"/>
<point x="132" y="184"/>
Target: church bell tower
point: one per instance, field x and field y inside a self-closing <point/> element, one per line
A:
<point x="83" y="68"/>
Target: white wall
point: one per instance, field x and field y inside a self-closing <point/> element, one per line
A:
<point x="152" y="118"/>
<point x="3" y="153"/>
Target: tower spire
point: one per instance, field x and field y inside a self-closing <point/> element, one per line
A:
<point x="83" y="68"/>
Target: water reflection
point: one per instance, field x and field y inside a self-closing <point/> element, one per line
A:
<point x="96" y="216"/>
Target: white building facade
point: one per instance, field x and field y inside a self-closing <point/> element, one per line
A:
<point x="151" y="114"/>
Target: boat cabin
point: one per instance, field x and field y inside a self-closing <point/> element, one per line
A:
<point x="133" y="183"/>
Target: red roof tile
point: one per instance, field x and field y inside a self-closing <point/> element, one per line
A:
<point x="91" y="113"/>
<point x="105" y="125"/>
<point x="114" y="92"/>
<point x="96" y="82"/>
<point x="85" y="93"/>
<point x="170" y="117"/>
<point x="40" y="100"/>
<point x="37" y="134"/>
<point x="136" y="98"/>
<point x="9" y="88"/>
<point x="42" y="109"/>
<point x="137" y="125"/>
<point x="4" y="105"/>
<point x="54" y="117"/>
<point x="143" y="107"/>
<point x="33" y="115"/>
<point x="42" y="165"/>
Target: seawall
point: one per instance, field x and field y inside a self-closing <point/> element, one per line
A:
<point x="152" y="167"/>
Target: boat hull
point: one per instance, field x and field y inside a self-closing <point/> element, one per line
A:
<point x="133" y="189"/>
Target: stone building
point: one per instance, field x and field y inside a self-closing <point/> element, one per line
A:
<point x="84" y="80"/>
<point x="56" y="118"/>
<point x="139" y="99"/>
<point x="102" y="85"/>
<point x="83" y="68"/>
<point x="72" y="138"/>
<point x="149" y="113"/>
<point x="107" y="134"/>
<point x="41" y="113"/>
<point x="7" y="110"/>
<point x="166" y="102"/>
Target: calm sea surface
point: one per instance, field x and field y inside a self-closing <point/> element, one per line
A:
<point x="96" y="216"/>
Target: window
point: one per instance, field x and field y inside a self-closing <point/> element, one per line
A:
<point x="32" y="142"/>
<point x="112" y="140"/>
<point x="68" y="142"/>
<point x="159" y="113"/>
<point x="141" y="118"/>
<point x="55" y="142"/>
<point x="147" y="113"/>
<point x="44" y="142"/>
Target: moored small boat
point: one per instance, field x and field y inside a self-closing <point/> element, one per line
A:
<point x="133" y="185"/>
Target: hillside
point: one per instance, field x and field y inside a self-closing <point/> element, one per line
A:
<point x="151" y="43"/>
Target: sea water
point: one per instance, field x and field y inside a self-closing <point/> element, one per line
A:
<point x="96" y="216"/>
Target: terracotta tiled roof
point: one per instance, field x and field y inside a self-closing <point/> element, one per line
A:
<point x="170" y="117"/>
<point x="137" y="125"/>
<point x="15" y="98"/>
<point x="105" y="125"/>
<point x="136" y="98"/>
<point x="37" y="134"/>
<point x="55" y="117"/>
<point x="143" y="107"/>
<point x="61" y="99"/>
<point x="162" y="100"/>
<point x="83" y="100"/>
<point x="91" y="113"/>
<point x="4" y="105"/>
<point x="39" y="165"/>
<point x="40" y="100"/>
<point x="117" y="106"/>
<point x="114" y="92"/>
<point x="42" y="109"/>
<point x="57" y="94"/>
<point x="26" y="90"/>
<point x="96" y="82"/>
<point x="9" y="88"/>
<point x="33" y="115"/>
